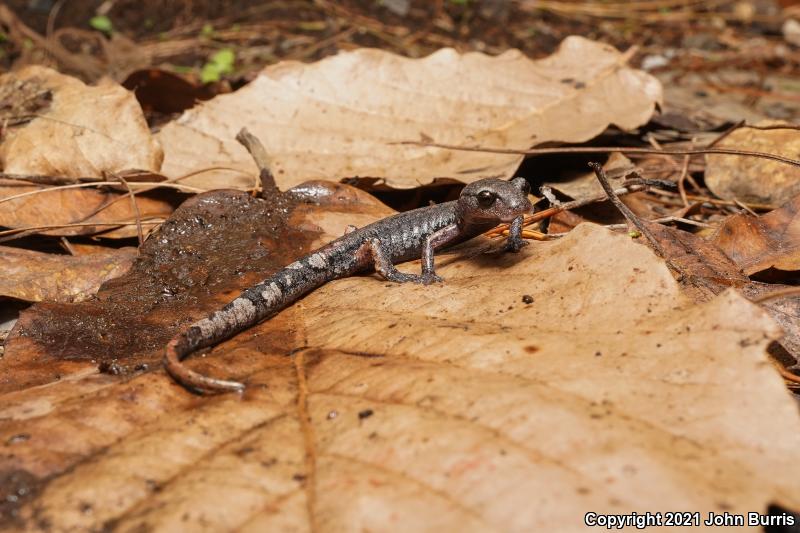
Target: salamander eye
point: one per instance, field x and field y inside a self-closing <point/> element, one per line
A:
<point x="525" y="186"/>
<point x="486" y="198"/>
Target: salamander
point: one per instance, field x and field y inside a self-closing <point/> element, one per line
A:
<point x="414" y="234"/>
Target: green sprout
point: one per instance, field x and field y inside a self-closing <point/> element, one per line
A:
<point x="207" y="31"/>
<point x="102" y="23"/>
<point x="218" y="64"/>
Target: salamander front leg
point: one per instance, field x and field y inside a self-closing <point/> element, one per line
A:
<point x="384" y="266"/>
<point x="514" y="243"/>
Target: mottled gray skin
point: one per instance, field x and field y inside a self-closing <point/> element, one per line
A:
<point x="402" y="237"/>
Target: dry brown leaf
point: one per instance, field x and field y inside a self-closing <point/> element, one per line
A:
<point x="83" y="131"/>
<point x="86" y="206"/>
<point x="768" y="241"/>
<point x="337" y="118"/>
<point x="35" y="276"/>
<point x="450" y="407"/>
<point x="753" y="179"/>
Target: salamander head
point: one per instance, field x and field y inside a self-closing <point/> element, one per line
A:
<point x="492" y="199"/>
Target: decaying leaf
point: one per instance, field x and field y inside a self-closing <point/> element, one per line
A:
<point x="77" y="130"/>
<point x="35" y="276"/>
<point x="752" y="179"/>
<point x="524" y="391"/>
<point x="338" y="118"/>
<point x="768" y="241"/>
<point x="84" y="211"/>
<point x="706" y="270"/>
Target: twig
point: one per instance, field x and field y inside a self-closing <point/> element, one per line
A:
<point x="607" y="149"/>
<point x="682" y="180"/>
<point x="135" y="206"/>
<point x="780" y="293"/>
<point x="715" y="201"/>
<point x="67" y="246"/>
<point x="665" y="220"/>
<point x="11" y="234"/>
<point x="721" y="136"/>
<point x="784" y="372"/>
<point x="630" y="216"/>
<point x="40" y="179"/>
<point x="260" y="156"/>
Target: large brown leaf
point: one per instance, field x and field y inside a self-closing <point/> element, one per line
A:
<point x="752" y="179"/>
<point x="75" y="130"/>
<point x="338" y="118"/>
<point x="767" y="241"/>
<point x="522" y="392"/>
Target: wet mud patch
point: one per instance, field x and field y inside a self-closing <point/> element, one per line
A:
<point x="213" y="246"/>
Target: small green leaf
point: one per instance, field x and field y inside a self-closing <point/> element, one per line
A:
<point x="209" y="73"/>
<point x="218" y="64"/>
<point x="182" y="69"/>
<point x="101" y="23"/>
<point x="312" y="25"/>
<point x="207" y="31"/>
<point x="224" y="60"/>
<point x="634" y="234"/>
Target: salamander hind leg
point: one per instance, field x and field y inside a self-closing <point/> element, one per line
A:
<point x="384" y="267"/>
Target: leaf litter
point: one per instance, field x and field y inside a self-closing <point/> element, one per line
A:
<point x="462" y="406"/>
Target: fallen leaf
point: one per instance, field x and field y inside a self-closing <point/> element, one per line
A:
<point x="79" y="131"/>
<point x="35" y="276"/>
<point x="706" y="270"/>
<point x="91" y="210"/>
<point x="338" y="118"/>
<point x="753" y="179"/>
<point x="760" y="243"/>
<point x="458" y="404"/>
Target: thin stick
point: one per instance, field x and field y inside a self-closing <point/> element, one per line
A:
<point x="780" y="293"/>
<point x="260" y="156"/>
<point x="154" y="222"/>
<point x="665" y="220"/>
<point x="682" y="180"/>
<point x="740" y="124"/>
<point x="715" y="201"/>
<point x="630" y="216"/>
<point x="135" y="206"/>
<point x="607" y="149"/>
<point x="154" y="185"/>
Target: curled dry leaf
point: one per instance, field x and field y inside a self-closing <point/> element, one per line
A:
<point x="35" y="276"/>
<point x="768" y="241"/>
<point x="706" y="271"/>
<point x="76" y="130"/>
<point x="752" y="179"/>
<point x="457" y="405"/>
<point x="338" y="118"/>
<point x="112" y="212"/>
